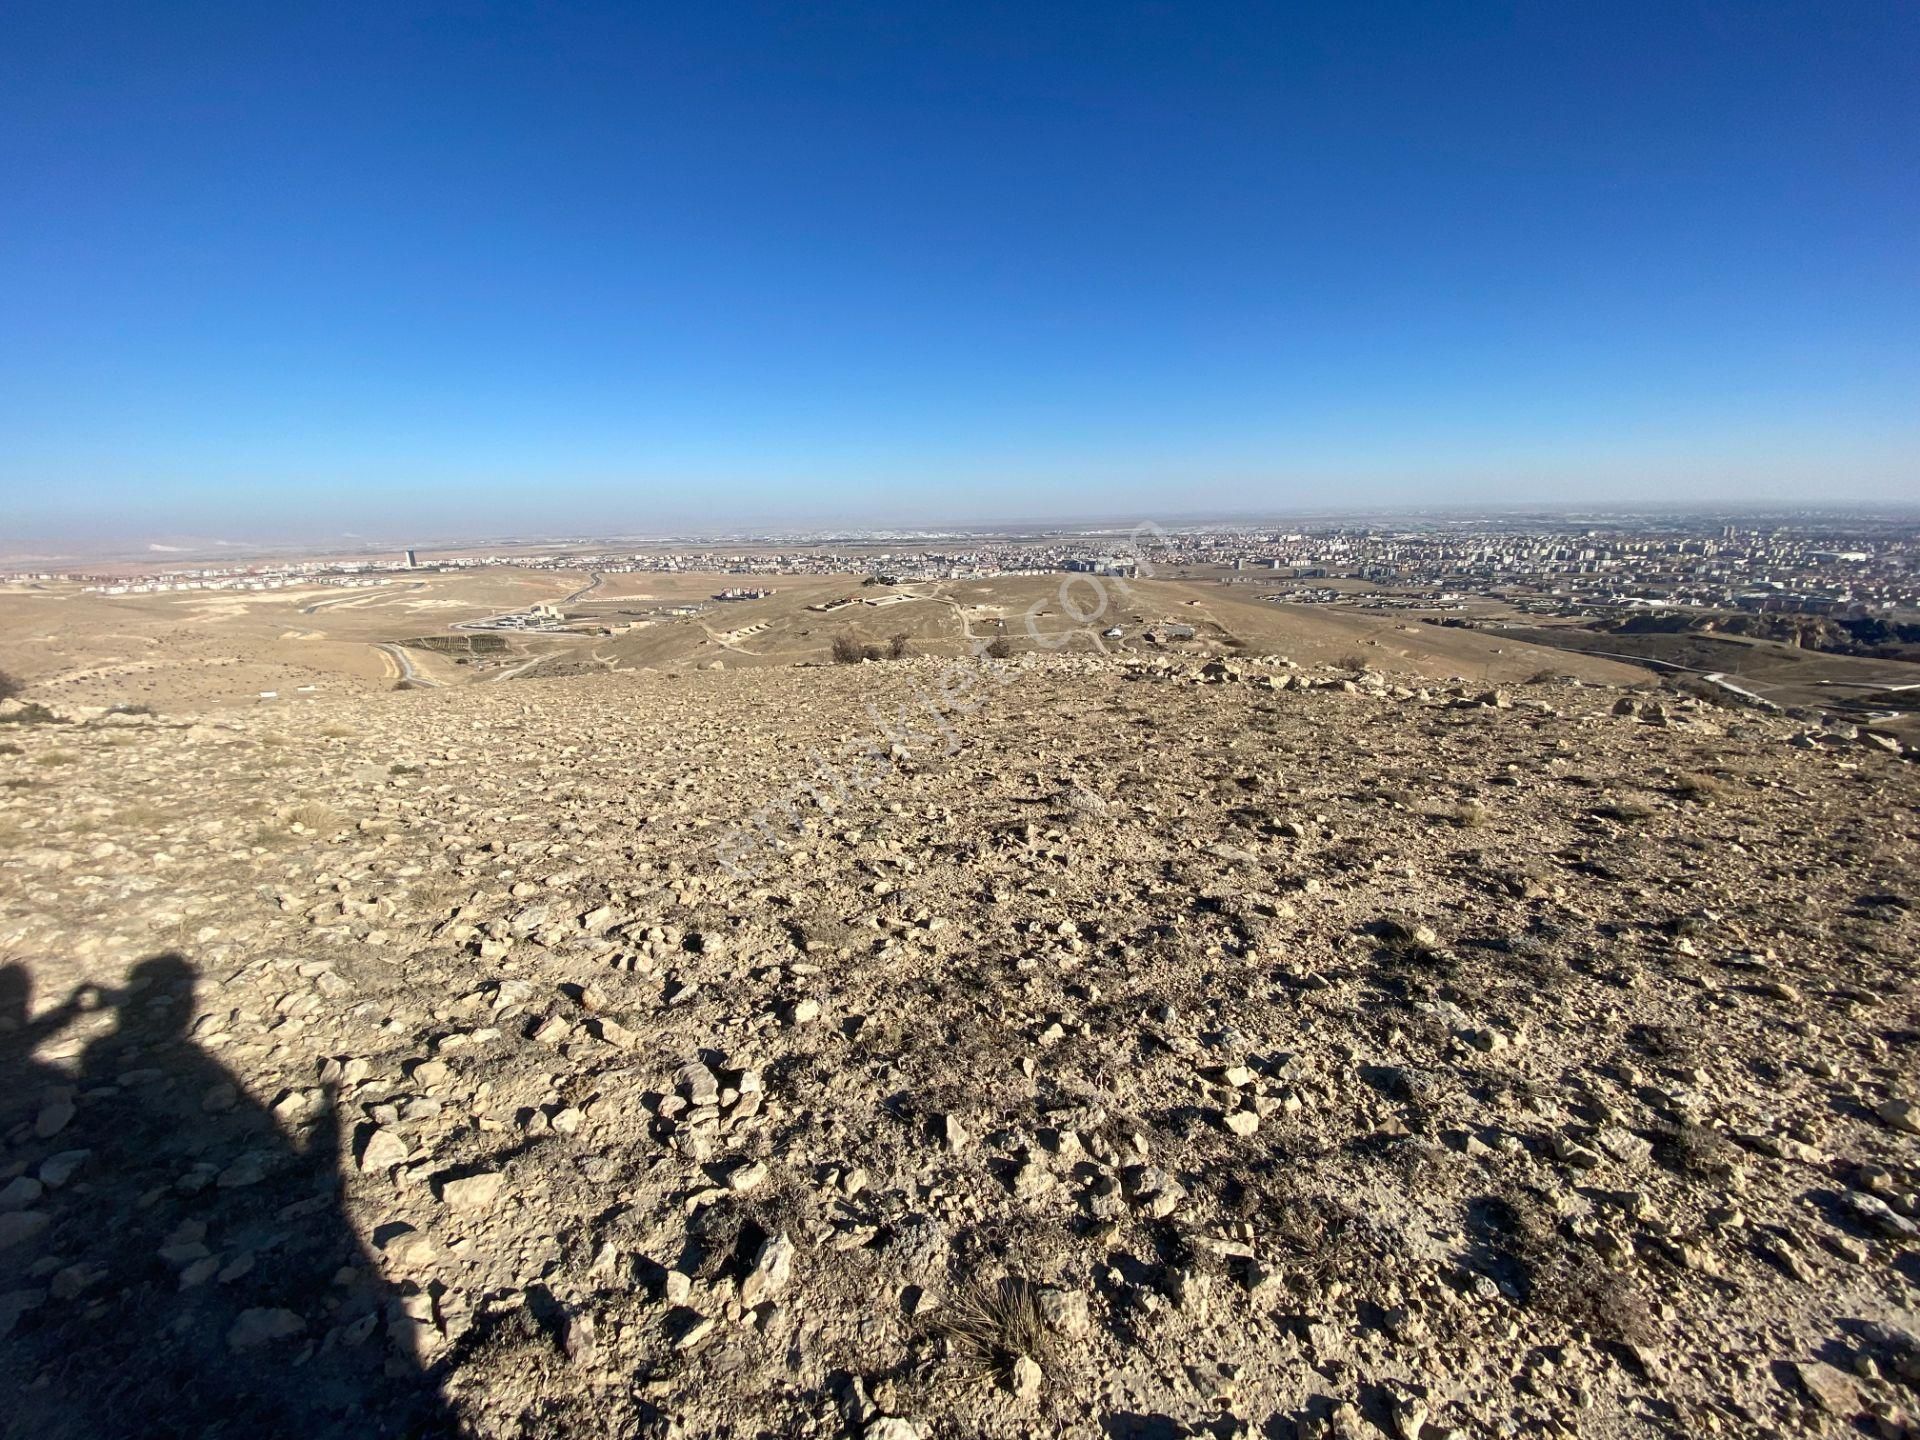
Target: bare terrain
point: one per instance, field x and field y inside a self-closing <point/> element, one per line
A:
<point x="294" y="647"/>
<point x="1102" y="1045"/>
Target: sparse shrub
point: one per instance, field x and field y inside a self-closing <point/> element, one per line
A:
<point x="10" y="686"/>
<point x="1352" y="660"/>
<point x="1704" y="788"/>
<point x="314" y="815"/>
<point x="1406" y="936"/>
<point x="337" y="732"/>
<point x="993" y="1325"/>
<point x="847" y="650"/>
<point x="1316" y="1238"/>
<point x="1627" y="810"/>
<point x="55" y="757"/>
<point x="7" y="747"/>
<point x="1084" y="804"/>
<point x="899" y="647"/>
<point x="31" y="713"/>
<point x="1000" y="648"/>
<point x="1559" y="1278"/>
<point x="1697" y="1150"/>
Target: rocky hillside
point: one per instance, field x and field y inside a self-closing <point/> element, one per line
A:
<point x="1076" y="1048"/>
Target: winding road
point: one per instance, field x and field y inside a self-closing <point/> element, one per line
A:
<point x="400" y="657"/>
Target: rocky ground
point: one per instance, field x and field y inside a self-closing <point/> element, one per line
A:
<point x="1073" y="1048"/>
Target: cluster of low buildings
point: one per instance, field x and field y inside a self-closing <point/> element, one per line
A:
<point x="1839" y="566"/>
<point x="1801" y="568"/>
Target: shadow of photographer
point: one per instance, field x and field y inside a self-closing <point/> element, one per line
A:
<point x="173" y="1261"/>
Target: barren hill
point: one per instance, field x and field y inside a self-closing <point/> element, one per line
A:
<point x="1090" y="1046"/>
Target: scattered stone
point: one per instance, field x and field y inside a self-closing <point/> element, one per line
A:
<point x="1409" y="1417"/>
<point x="699" y="1084"/>
<point x="254" y="1328"/>
<point x="20" y="1192"/>
<point x="696" y="1329"/>
<point x="1025" y="1378"/>
<point x="1901" y="1114"/>
<point x="54" y="1117"/>
<point x="772" y="1268"/>
<point x="56" y="1170"/>
<point x="1573" y="1153"/>
<point x="748" y="1175"/>
<point x="1832" y="1390"/>
<point x="382" y="1150"/>
<point x="1032" y="1180"/>
<point x="472" y="1192"/>
<point x="1064" y="1312"/>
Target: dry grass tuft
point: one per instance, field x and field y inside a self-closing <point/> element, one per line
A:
<point x="314" y="815"/>
<point x="1406" y="937"/>
<point x="1697" y="1150"/>
<point x="992" y="1325"/>
<point x="1704" y="788"/>
<point x="1563" y="1280"/>
<point x="56" y="757"/>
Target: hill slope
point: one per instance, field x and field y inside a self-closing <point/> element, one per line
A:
<point x="1100" y="1048"/>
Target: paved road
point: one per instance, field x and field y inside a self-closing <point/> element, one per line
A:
<point x="592" y="585"/>
<point x="518" y="670"/>
<point x="400" y="657"/>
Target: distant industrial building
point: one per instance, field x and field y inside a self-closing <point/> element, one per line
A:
<point x="413" y="561"/>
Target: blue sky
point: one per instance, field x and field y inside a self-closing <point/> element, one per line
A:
<point x="273" y="270"/>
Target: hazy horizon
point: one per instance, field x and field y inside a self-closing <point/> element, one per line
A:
<point x="163" y="549"/>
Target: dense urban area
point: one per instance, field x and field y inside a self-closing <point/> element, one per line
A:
<point x="1847" y="566"/>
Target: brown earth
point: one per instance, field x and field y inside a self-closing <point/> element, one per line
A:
<point x="290" y="649"/>
<point x="1106" y="1046"/>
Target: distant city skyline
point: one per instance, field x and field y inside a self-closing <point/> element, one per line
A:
<point x="272" y="276"/>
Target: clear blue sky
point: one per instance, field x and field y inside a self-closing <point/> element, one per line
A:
<point x="462" y="268"/>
